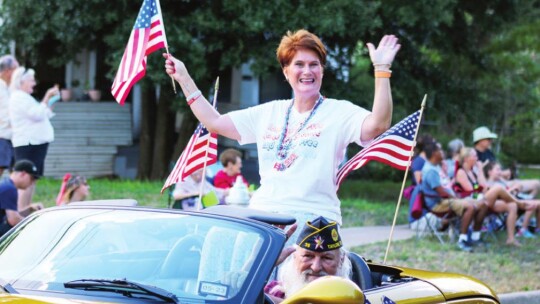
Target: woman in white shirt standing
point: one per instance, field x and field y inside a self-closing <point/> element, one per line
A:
<point x="32" y="130"/>
<point x="300" y="141"/>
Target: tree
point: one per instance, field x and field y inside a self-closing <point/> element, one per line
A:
<point x="454" y="50"/>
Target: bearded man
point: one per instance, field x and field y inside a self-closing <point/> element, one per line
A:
<point x="318" y="252"/>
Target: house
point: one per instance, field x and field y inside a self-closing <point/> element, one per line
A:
<point x="93" y="149"/>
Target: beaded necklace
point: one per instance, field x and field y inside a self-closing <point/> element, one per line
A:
<point x="284" y="143"/>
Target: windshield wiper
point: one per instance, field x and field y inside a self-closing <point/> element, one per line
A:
<point x="7" y="287"/>
<point x="122" y="286"/>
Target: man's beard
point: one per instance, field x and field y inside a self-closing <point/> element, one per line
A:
<point x="292" y="281"/>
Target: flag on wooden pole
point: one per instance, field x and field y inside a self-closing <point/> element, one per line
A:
<point x="201" y="151"/>
<point x="147" y="36"/>
<point x="393" y="148"/>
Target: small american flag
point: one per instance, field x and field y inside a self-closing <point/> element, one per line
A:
<point x="386" y="300"/>
<point x="393" y="148"/>
<point x="201" y="149"/>
<point x="147" y="36"/>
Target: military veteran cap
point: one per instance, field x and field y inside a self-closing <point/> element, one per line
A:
<point x="320" y="235"/>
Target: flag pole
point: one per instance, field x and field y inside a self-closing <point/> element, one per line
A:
<point x="166" y="43"/>
<point x="404" y="179"/>
<point x="216" y="89"/>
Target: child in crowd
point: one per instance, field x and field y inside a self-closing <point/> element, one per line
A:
<point x="74" y="189"/>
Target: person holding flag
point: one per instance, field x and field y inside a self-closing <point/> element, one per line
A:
<point x="300" y="141"/>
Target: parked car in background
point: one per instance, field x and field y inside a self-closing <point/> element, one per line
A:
<point x="123" y="254"/>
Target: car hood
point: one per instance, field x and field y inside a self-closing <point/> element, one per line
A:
<point x="451" y="285"/>
<point x="27" y="299"/>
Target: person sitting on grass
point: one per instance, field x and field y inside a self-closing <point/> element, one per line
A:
<point x="440" y="200"/>
<point x="24" y="174"/>
<point x="318" y="252"/>
<point x="74" y="189"/>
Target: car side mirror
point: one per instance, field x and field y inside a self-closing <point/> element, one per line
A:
<point x="329" y="289"/>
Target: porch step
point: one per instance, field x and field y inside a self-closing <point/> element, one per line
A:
<point x="87" y="137"/>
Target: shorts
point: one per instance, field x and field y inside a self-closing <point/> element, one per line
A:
<point x="6" y="153"/>
<point x="35" y="153"/>
<point x="457" y="205"/>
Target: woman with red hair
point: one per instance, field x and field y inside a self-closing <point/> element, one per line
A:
<point x="300" y="141"/>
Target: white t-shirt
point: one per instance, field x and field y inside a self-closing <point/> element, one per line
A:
<point x="5" y="128"/>
<point x="29" y="120"/>
<point x="305" y="181"/>
<point x="189" y="185"/>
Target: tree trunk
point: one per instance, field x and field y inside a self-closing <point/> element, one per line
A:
<point x="164" y="135"/>
<point x="187" y="127"/>
<point x="148" y="126"/>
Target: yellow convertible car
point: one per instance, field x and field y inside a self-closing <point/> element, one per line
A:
<point x="114" y="254"/>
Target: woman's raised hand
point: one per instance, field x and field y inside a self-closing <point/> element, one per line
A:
<point x="174" y="67"/>
<point x="386" y="51"/>
<point x="50" y="93"/>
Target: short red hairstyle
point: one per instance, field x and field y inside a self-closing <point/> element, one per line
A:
<point x="301" y="39"/>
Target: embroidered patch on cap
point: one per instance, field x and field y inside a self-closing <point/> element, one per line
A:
<point x="320" y="235"/>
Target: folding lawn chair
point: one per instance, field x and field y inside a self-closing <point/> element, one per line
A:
<point x="428" y="222"/>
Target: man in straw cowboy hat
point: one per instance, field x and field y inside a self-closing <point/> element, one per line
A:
<point x="483" y="139"/>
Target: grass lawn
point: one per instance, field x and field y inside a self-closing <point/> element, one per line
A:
<point x="145" y="192"/>
<point x="505" y="269"/>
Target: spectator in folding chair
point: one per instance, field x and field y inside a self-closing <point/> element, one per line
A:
<point x="483" y="139"/>
<point x="417" y="163"/>
<point x="493" y="173"/>
<point x="452" y="162"/>
<point x="471" y="183"/>
<point x="439" y="199"/>
<point x="419" y="158"/>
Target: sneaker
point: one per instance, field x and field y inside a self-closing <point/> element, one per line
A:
<point x="465" y="246"/>
<point x="525" y="233"/>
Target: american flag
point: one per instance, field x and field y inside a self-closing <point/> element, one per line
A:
<point x="147" y="36"/>
<point x="393" y="148"/>
<point x="386" y="300"/>
<point x="201" y="149"/>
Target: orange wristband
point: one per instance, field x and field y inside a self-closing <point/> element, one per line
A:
<point x="383" y="74"/>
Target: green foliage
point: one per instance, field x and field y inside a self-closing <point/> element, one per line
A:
<point x="476" y="60"/>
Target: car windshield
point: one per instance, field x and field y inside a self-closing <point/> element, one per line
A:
<point x="154" y="248"/>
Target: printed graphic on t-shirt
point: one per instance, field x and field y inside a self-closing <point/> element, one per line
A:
<point x="286" y="151"/>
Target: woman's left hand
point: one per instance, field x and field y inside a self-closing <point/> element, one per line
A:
<point x="386" y="51"/>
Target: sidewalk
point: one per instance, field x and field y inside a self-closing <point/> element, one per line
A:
<point x="356" y="236"/>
